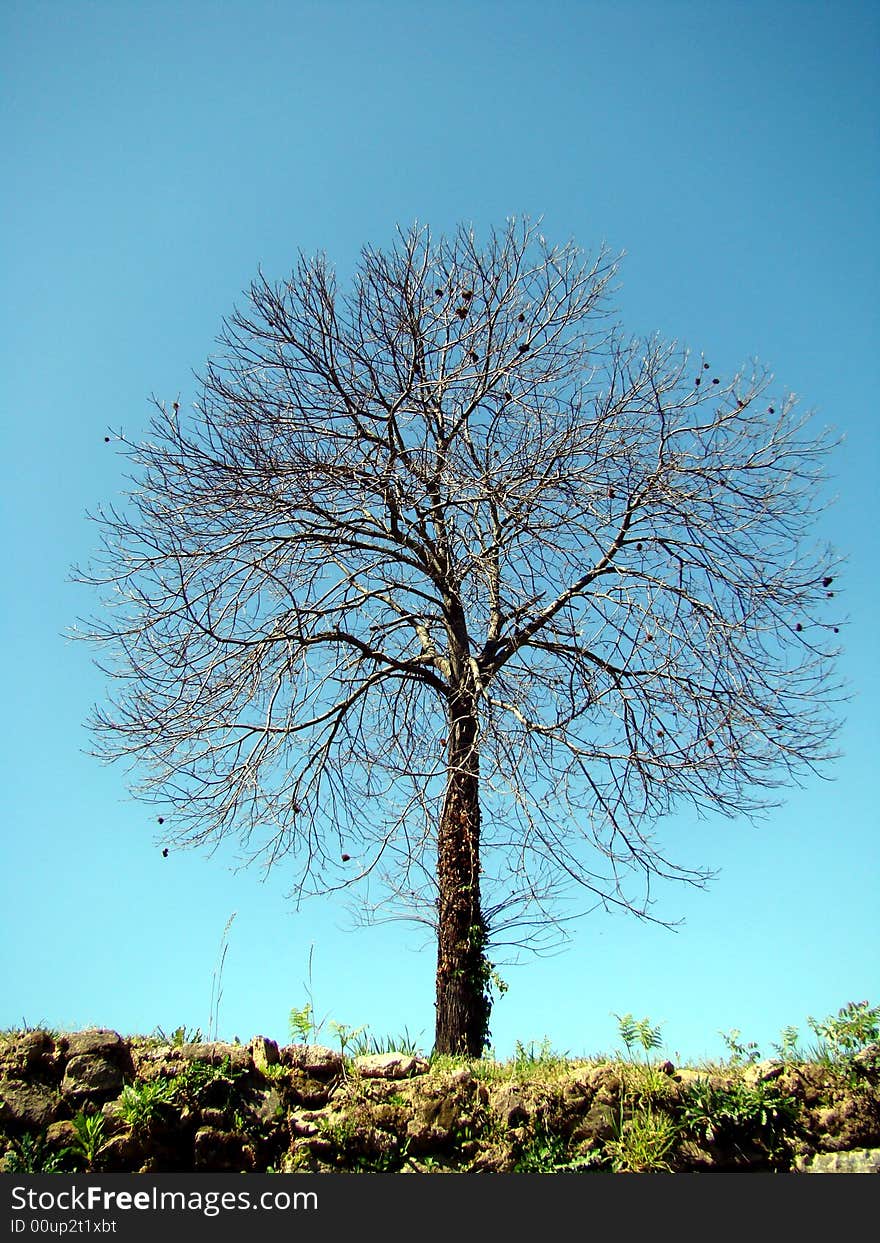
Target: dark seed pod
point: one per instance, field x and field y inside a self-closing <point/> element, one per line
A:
<point x="345" y="858"/>
<point x="827" y="580"/>
<point x="799" y="627"/>
<point x="160" y="820"/>
<point x="639" y="546"/>
<point x="697" y="381"/>
<point x="771" y="410"/>
<point x="508" y="396"/>
<point x="523" y="349"/>
<point x="106" y="440"/>
<point x="521" y="318"/>
<point x="716" y="381"/>
<point x="439" y="292"/>
<point x="461" y="311"/>
<point x="165" y="853"/>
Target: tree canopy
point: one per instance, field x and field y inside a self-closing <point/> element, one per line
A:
<point x="448" y="587"/>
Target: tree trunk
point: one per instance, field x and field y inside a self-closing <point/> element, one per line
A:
<point x="463" y="1003"/>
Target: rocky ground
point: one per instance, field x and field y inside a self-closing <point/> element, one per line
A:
<point x="95" y="1100"/>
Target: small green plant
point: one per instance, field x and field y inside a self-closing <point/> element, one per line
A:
<point x="345" y="1034"/>
<point x="180" y="1036"/>
<point x="850" y="1041"/>
<point x="141" y="1104"/>
<point x="739" y="1113"/>
<point x="638" y="1031"/>
<point x="643" y="1079"/>
<point x="301" y="1021"/>
<point x="643" y="1140"/>
<point x="740" y="1054"/>
<point x="304" y="1027"/>
<point x="29" y="1154"/>
<point x="646" y="1081"/>
<point x="365" y="1044"/>
<point x="532" y="1057"/>
<point x="197" y="1078"/>
<point x="543" y="1153"/>
<point x="788" y="1048"/>
<point x="89" y="1139"/>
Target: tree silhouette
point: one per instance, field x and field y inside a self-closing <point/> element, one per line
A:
<point x="447" y="584"/>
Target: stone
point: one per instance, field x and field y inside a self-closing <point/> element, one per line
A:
<point x="311" y="1093"/>
<point x="268" y="1106"/>
<point x="121" y="1152"/>
<point x="94" y="1040"/>
<point x="390" y="1065"/>
<point x="28" y="1106"/>
<point x="27" y="1053"/>
<point x="869" y="1056"/>
<point x="762" y="1072"/>
<point x="313" y="1059"/>
<point x="304" y="1124"/>
<point x="435" y="1115"/>
<point x="511" y="1105"/>
<point x="215" y="1118"/>
<point x="264" y="1052"/>
<point x="220" y="1151"/>
<point x="60" y="1134"/>
<point x="90" y="1075"/>
<point x="597" y="1125"/>
<point x="216" y="1052"/>
<point x="856" y="1161"/>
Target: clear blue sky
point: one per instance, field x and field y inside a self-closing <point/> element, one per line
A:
<point x="155" y="154"/>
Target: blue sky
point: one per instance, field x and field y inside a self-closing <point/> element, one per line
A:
<point x="155" y="155"/>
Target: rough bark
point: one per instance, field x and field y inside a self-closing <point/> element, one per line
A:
<point x="462" y="998"/>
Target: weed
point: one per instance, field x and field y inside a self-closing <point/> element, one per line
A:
<point x="30" y="1155"/>
<point x="304" y="1027"/>
<point x="544" y="1153"/>
<point x="197" y="1078"/>
<point x="739" y="1113"/>
<point x="644" y="1081"/>
<point x="533" y="1057"/>
<point x="180" y="1036"/>
<point x="217" y="980"/>
<point x="643" y="1140"/>
<point x="345" y="1034"/>
<point x="639" y="1031"/>
<point x="740" y="1054"/>
<point x="141" y="1104"/>
<point x="403" y="1043"/>
<point x="89" y="1140"/>
<point x="850" y="1042"/>
<point x="788" y="1048"/>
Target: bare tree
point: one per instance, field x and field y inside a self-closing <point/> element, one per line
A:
<point x="448" y="584"/>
